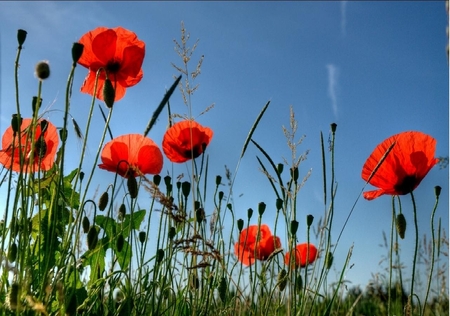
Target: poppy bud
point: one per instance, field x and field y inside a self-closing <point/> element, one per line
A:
<point x="294" y="174"/>
<point x="109" y="94"/>
<point x="142" y="237"/>
<point x="16" y="122"/>
<point x="172" y="232"/>
<point x="240" y="224"/>
<point x="92" y="238"/>
<point x="77" y="51"/>
<point x="120" y="242"/>
<point x="12" y="253"/>
<point x="186" y="188"/>
<point x="249" y="213"/>
<point x="309" y="220"/>
<point x="200" y="214"/>
<point x="220" y="195"/>
<point x="36" y="104"/>
<point x="122" y="212"/>
<point x="63" y="134"/>
<point x="103" y="202"/>
<point x="159" y="255"/>
<point x="13" y="297"/>
<point x="42" y="70"/>
<point x="333" y="127"/>
<point x="282" y="279"/>
<point x="437" y="190"/>
<point x="279" y="204"/>
<point x="218" y="180"/>
<point x="400" y="225"/>
<point x="294" y="227"/>
<point x="261" y="208"/>
<point x="222" y="288"/>
<point x="329" y="260"/>
<point x="86" y="224"/>
<point x="280" y="168"/>
<point x="132" y="187"/>
<point x="21" y="37"/>
<point x="157" y="179"/>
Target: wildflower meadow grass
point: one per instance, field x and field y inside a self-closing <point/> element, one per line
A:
<point x="70" y="249"/>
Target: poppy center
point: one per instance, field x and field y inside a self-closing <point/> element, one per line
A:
<point x="113" y="67"/>
<point x="196" y="151"/>
<point x="406" y="186"/>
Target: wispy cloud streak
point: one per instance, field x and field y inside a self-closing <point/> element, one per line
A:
<point x="333" y="74"/>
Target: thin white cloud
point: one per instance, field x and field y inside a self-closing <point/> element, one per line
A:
<point x="343" y="17"/>
<point x="333" y="74"/>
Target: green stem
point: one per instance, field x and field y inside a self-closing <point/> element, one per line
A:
<point x="416" y="247"/>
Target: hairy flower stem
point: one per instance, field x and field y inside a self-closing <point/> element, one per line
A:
<point x="433" y="252"/>
<point x="416" y="247"/>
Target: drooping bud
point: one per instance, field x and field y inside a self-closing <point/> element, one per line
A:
<point x="12" y="253"/>
<point x="122" y="212"/>
<point x="92" y="238"/>
<point x="21" y="37"/>
<point x="85" y="224"/>
<point x="103" y="201"/>
<point x="132" y="187"/>
<point x="282" y="279"/>
<point x="36" y="104"/>
<point x="400" y="225"/>
<point x="42" y="70"/>
<point x="109" y="94"/>
<point x="261" y="208"/>
<point x="16" y="122"/>
<point x="77" y="51"/>
<point x="142" y="237"/>
<point x="120" y="241"/>
<point x="240" y="224"/>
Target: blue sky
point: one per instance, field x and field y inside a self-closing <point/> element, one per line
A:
<point x="374" y="68"/>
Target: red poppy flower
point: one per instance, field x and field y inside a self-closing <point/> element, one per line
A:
<point x="186" y="140"/>
<point x="45" y="146"/>
<point x="132" y="155"/>
<point x="119" y="52"/>
<point x="408" y="162"/>
<point x="302" y="256"/>
<point x="247" y="249"/>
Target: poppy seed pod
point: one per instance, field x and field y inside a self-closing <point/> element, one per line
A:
<point x="200" y="215"/>
<point x="132" y="187"/>
<point x="142" y="237"/>
<point x="220" y="195"/>
<point x="157" y="179"/>
<point x="240" y="224"/>
<point x="280" y="168"/>
<point x="167" y="181"/>
<point x="77" y="51"/>
<point x="294" y="227"/>
<point x="261" y="208"/>
<point x="36" y="104"/>
<point x="249" y="213"/>
<point x="333" y="127"/>
<point x="279" y="204"/>
<point x="16" y="122"/>
<point x="21" y="37"/>
<point x="109" y="94"/>
<point x="309" y="220"/>
<point x="120" y="242"/>
<point x="218" y="180"/>
<point x="172" y="232"/>
<point x="186" y="188"/>
<point x="437" y="191"/>
<point x="103" y="202"/>
<point x="12" y="253"/>
<point x="159" y="255"/>
<point x="400" y="225"/>
<point x="42" y="70"/>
